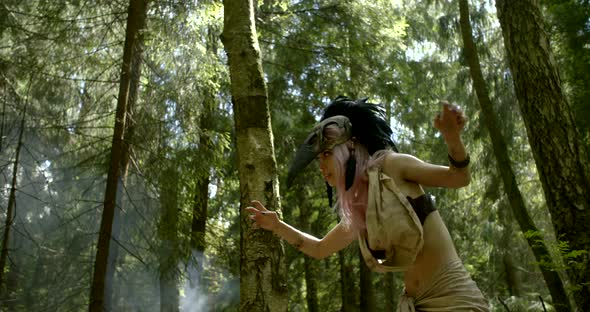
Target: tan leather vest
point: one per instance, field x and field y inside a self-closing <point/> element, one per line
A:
<point x="392" y="226"/>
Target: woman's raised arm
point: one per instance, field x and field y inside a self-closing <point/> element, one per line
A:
<point x="450" y="122"/>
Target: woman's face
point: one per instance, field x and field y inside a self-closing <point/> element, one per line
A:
<point x="327" y="162"/>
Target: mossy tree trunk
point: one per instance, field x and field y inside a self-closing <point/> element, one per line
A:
<point x="561" y="159"/>
<point x="262" y="271"/>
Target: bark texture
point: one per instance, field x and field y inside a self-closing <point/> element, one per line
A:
<point x="262" y="270"/>
<point x="124" y="168"/>
<point x="557" y="148"/>
<point x="537" y="244"/>
<point x="135" y="18"/>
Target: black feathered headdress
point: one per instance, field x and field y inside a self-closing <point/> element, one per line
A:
<point x="369" y="128"/>
<point x="316" y="142"/>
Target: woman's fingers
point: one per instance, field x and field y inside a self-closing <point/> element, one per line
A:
<point x="449" y="119"/>
<point x="254" y="213"/>
<point x="259" y="215"/>
<point x="258" y="205"/>
<point x="251" y="210"/>
<point x="449" y="113"/>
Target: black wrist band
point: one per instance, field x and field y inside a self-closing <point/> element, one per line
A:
<point x="459" y="164"/>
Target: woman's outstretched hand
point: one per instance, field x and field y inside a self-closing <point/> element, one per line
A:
<point x="450" y="121"/>
<point x="262" y="217"/>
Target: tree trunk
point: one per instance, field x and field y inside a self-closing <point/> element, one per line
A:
<point x="512" y="275"/>
<point x="203" y="166"/>
<point x="201" y="197"/>
<point x="367" y="295"/>
<point x="346" y="284"/>
<point x="5" y="96"/>
<point x="168" y="232"/>
<point x="198" y="228"/>
<point x="124" y="167"/>
<point x="11" y="208"/>
<point x="504" y="248"/>
<point x="537" y="244"/>
<point x="391" y="292"/>
<point x="262" y="270"/>
<point x="199" y="218"/>
<point x="311" y="284"/>
<point x="135" y="18"/>
<point x="309" y="265"/>
<point x="561" y="160"/>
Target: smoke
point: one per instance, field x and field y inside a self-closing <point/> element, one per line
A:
<point x="193" y="295"/>
<point x="209" y="286"/>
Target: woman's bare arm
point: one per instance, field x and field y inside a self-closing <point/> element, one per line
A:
<point x="413" y="169"/>
<point x="450" y="122"/>
<point x="338" y="238"/>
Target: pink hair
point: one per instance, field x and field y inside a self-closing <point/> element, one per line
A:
<point x="352" y="203"/>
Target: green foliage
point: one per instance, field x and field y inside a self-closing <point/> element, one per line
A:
<point x="63" y="58"/>
<point x="570" y="258"/>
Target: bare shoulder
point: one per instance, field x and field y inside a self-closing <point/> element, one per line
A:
<point x="400" y="158"/>
<point x="394" y="164"/>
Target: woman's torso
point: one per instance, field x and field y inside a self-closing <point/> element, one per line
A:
<point x="438" y="247"/>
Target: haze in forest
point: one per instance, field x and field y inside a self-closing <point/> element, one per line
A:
<point x="123" y="179"/>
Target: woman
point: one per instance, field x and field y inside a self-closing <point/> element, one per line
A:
<point x="352" y="138"/>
